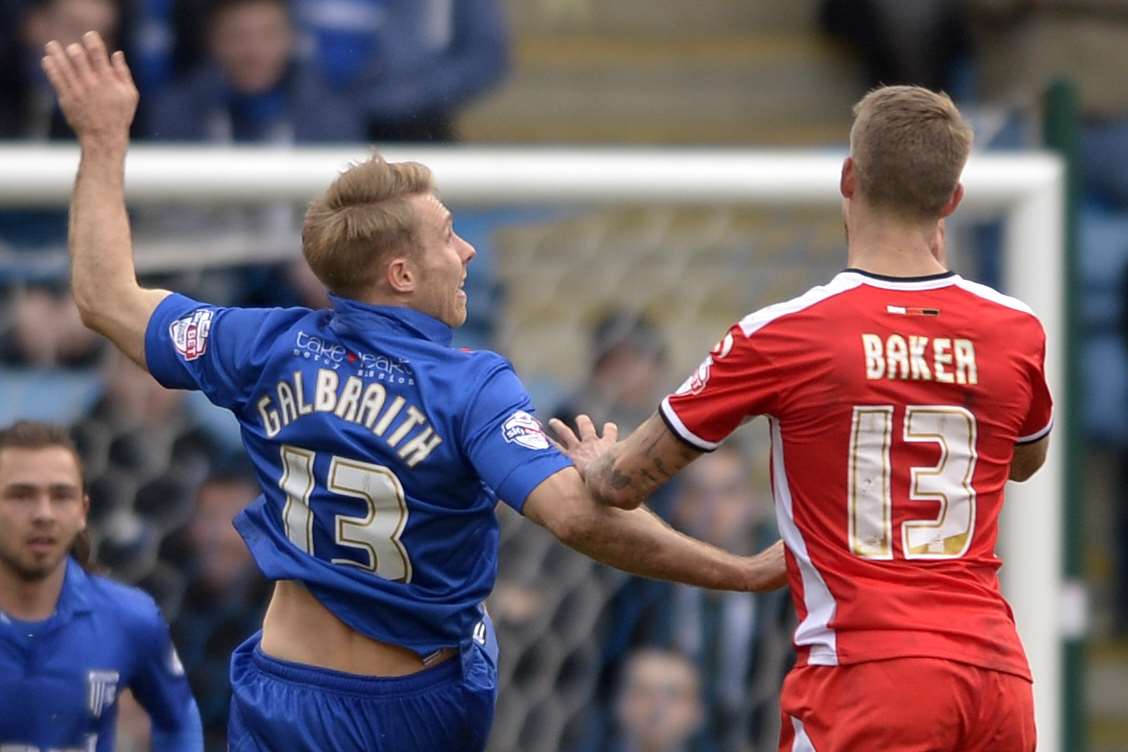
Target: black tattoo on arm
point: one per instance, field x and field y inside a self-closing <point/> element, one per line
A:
<point x="627" y="474"/>
<point x="619" y="480"/>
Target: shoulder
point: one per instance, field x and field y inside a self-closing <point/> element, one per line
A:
<point x="1000" y="304"/>
<point x="470" y="363"/>
<point x="809" y="301"/>
<point x="180" y="312"/>
<point x="132" y="608"/>
<point x="479" y="368"/>
<point x="268" y="322"/>
<point x="989" y="294"/>
<point x="484" y="361"/>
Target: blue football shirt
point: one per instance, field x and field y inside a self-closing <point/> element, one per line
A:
<point x="380" y="449"/>
<point x="59" y="678"/>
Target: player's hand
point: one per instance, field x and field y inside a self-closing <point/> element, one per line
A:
<point x="96" y="91"/>
<point x="767" y="569"/>
<point x="585" y="445"/>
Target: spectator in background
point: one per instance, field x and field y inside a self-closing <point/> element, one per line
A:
<point x="225" y="596"/>
<point x="736" y="643"/>
<point x="27" y="105"/>
<point x="253" y="88"/>
<point x="1023" y="46"/>
<point x="718" y="502"/>
<point x="627" y="376"/>
<point x="145" y="451"/>
<point x="43" y="330"/>
<point x="923" y="42"/>
<point x="411" y="64"/>
<point x="167" y="39"/>
<point x="626" y="379"/>
<point x="658" y="707"/>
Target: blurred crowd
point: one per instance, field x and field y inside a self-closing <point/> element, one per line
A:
<point x="607" y="661"/>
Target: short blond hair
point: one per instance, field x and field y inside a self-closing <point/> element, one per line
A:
<point x="909" y="147"/>
<point x="364" y="218"/>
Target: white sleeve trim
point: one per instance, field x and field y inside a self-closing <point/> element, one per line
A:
<point x="686" y="435"/>
<point x="1037" y="435"/>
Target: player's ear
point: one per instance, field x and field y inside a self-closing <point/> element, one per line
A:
<point x="401" y="275"/>
<point x="848" y="181"/>
<point x="953" y="201"/>
<point x="85" y="509"/>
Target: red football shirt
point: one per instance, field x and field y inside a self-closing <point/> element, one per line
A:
<point x="895" y="405"/>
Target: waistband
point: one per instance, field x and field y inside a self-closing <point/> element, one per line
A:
<point x="324" y="678"/>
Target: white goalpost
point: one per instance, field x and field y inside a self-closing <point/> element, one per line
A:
<point x="1026" y="189"/>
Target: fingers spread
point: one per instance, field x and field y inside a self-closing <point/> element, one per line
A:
<point x="610" y="431"/>
<point x="61" y="65"/>
<point x="80" y="60"/>
<point x="55" y="76"/>
<point x="585" y="427"/>
<point x="96" y="51"/>
<point x="561" y="429"/>
<point x="120" y="68"/>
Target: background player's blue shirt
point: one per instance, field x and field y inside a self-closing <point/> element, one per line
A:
<point x="380" y="449"/>
<point x="60" y="678"/>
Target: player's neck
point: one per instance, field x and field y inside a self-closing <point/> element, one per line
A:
<point x="894" y="248"/>
<point x="30" y="600"/>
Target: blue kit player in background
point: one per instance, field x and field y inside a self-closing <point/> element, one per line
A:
<point x="381" y="451"/>
<point x="71" y="641"/>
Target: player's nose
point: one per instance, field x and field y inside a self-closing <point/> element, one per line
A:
<point x="43" y="511"/>
<point x="468" y="250"/>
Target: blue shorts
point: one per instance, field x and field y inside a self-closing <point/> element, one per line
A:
<point x="278" y="705"/>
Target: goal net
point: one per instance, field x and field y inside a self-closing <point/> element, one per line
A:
<point x="581" y="252"/>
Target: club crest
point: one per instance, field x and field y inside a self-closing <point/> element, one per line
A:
<point x="523" y="429"/>
<point x="101" y="691"/>
<point x="190" y="333"/>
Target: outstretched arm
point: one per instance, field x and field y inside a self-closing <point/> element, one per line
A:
<point x="98" y="97"/>
<point x="637" y="541"/>
<point x="625" y="474"/>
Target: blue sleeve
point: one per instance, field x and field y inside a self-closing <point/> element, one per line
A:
<point x="187" y="738"/>
<point x="218" y="351"/>
<point x="160" y="685"/>
<point x="505" y="442"/>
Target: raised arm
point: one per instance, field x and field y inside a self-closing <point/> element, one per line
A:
<point x="637" y="541"/>
<point x="98" y="97"/>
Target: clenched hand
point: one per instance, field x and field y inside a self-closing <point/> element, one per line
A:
<point x="96" y="91"/>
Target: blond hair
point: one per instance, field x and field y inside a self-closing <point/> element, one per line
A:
<point x="363" y="219"/>
<point x="909" y="146"/>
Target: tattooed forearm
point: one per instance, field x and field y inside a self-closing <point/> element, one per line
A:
<point x="627" y="474"/>
<point x="611" y="485"/>
<point x="618" y="480"/>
